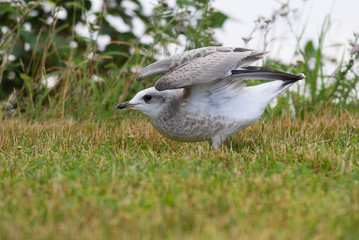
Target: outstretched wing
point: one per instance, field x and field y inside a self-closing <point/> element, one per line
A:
<point x="206" y="69"/>
<point x="198" y="66"/>
<point x="205" y="65"/>
<point x="167" y="64"/>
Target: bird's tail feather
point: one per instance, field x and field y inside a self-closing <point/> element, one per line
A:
<point x="253" y="72"/>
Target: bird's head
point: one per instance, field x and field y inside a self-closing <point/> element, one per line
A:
<point x="148" y="101"/>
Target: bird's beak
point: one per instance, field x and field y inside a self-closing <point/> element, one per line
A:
<point x="125" y="105"/>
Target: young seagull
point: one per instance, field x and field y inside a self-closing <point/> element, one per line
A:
<point x="202" y="95"/>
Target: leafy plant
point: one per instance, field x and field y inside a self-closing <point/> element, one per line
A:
<point x="47" y="62"/>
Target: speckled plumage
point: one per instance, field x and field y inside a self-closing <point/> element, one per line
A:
<point x="179" y="121"/>
<point x="202" y="95"/>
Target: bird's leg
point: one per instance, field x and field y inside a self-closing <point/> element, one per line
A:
<point x="214" y="145"/>
<point x="217" y="141"/>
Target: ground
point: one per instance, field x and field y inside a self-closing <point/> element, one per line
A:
<point x="279" y="179"/>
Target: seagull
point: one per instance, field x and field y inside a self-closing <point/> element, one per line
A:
<point x="202" y="95"/>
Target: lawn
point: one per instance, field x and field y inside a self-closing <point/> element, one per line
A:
<point x="120" y="179"/>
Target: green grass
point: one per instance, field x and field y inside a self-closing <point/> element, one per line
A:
<point x="119" y="179"/>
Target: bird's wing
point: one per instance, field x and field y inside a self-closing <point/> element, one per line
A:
<point x="168" y="64"/>
<point x="198" y="66"/>
<point x="254" y="72"/>
<point x="215" y="95"/>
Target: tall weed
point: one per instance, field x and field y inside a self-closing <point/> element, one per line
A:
<point x="320" y="88"/>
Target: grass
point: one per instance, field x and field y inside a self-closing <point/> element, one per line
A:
<point x="119" y="179"/>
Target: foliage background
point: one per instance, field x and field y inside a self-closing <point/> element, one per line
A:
<point x="40" y="45"/>
<point x="50" y="68"/>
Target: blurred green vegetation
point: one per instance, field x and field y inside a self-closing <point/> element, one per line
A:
<point x="43" y="42"/>
<point x="52" y="64"/>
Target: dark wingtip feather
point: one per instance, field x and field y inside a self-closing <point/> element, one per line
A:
<point x="266" y="73"/>
<point x="254" y="56"/>
<point x="238" y="49"/>
<point x="299" y="76"/>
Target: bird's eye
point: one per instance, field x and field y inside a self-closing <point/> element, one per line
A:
<point x="147" y="98"/>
